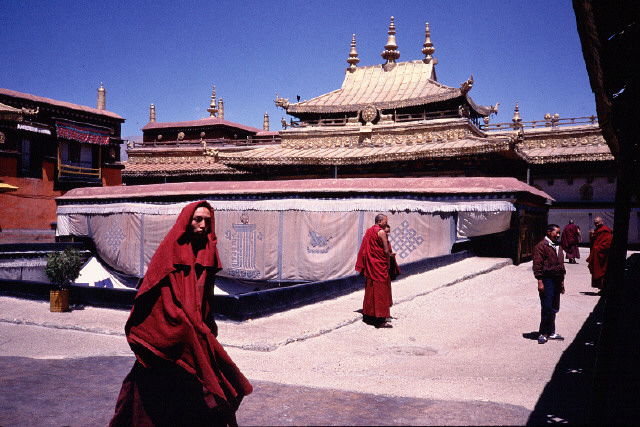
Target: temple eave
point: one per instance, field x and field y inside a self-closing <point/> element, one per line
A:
<point x="367" y="155"/>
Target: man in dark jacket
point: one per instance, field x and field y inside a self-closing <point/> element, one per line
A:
<point x="548" y="268"/>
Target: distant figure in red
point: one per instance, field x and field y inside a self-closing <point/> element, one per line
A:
<point x="373" y="263"/>
<point x="182" y="375"/>
<point x="600" y="239"/>
<point x="570" y="239"/>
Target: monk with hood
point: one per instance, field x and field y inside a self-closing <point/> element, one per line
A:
<point x="373" y="262"/>
<point x="182" y="375"/>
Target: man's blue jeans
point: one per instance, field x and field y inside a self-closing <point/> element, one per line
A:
<point x="550" y="305"/>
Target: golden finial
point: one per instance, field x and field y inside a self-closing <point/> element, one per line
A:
<point x="102" y="98"/>
<point x="391" y="52"/>
<point x="353" y="55"/>
<point x="427" y="48"/>
<point x="265" y="122"/>
<point x="221" y="109"/>
<point x="212" y="106"/>
<point x="152" y="113"/>
<point x="516" y="115"/>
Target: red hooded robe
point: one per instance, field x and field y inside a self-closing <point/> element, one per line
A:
<point x="372" y="263"/>
<point x="173" y="346"/>
<point x="570" y="240"/>
<point x="599" y="255"/>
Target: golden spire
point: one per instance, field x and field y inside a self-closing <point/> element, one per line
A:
<point x="152" y="113"/>
<point x="102" y="98"/>
<point x="353" y="55"/>
<point x="221" y="109"/>
<point x="212" y="106"/>
<point x="428" y="48"/>
<point x="265" y="123"/>
<point x="516" y="115"/>
<point x="391" y="52"/>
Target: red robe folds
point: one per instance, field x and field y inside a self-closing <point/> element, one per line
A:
<point x="182" y="374"/>
<point x="570" y="239"/>
<point x="372" y="263"/>
<point x="599" y="255"/>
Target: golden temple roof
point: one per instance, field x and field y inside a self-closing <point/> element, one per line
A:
<point x="365" y="154"/>
<point x="407" y="84"/>
<point x="560" y="145"/>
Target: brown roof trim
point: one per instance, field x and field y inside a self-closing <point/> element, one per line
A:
<point x="365" y="186"/>
<point x="206" y="122"/>
<point x="63" y="104"/>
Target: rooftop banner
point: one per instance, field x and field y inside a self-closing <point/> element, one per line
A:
<point x="82" y="133"/>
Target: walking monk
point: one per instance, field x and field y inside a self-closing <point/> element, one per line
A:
<point x="600" y="239"/>
<point x="182" y="375"/>
<point x="570" y="239"/>
<point x="373" y="263"/>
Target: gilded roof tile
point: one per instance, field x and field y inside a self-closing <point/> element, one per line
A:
<point x="579" y="153"/>
<point x="408" y="83"/>
<point x="364" y="154"/>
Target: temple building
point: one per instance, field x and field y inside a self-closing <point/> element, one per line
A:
<point x="188" y="150"/>
<point x="48" y="147"/>
<point x="395" y="119"/>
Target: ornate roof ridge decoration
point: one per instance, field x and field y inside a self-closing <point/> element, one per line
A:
<point x="390" y="53"/>
<point x="466" y="86"/>
<point x="7" y="112"/>
<point x="353" y="56"/>
<point x="213" y="110"/>
<point x="61" y="104"/>
<point x="177" y="169"/>
<point x="428" y="48"/>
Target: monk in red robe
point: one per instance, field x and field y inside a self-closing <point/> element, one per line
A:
<point x="182" y="375"/>
<point x="373" y="263"/>
<point x="570" y="239"/>
<point x="600" y="239"/>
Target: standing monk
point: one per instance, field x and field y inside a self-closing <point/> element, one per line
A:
<point x="182" y="375"/>
<point x="600" y="239"/>
<point x="570" y="238"/>
<point x="373" y="263"/>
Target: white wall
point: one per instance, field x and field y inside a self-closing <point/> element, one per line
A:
<point x="562" y="191"/>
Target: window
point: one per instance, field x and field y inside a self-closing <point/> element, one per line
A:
<point x="74" y="151"/>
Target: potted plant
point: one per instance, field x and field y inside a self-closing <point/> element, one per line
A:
<point x="62" y="269"/>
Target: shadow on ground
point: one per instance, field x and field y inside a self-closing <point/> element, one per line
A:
<point x="78" y="392"/>
<point x="566" y="397"/>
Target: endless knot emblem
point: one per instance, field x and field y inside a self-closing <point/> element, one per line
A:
<point x="405" y="239"/>
<point x="114" y="236"/>
<point x="369" y="113"/>
<point x="243" y="248"/>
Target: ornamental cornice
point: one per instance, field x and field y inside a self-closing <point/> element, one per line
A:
<point x="391" y="137"/>
<point x="556" y="141"/>
<point x="563" y="158"/>
<point x="160" y="160"/>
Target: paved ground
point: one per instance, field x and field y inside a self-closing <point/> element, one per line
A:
<point x="462" y="351"/>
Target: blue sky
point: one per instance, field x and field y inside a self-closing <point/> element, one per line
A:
<point x="171" y="53"/>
